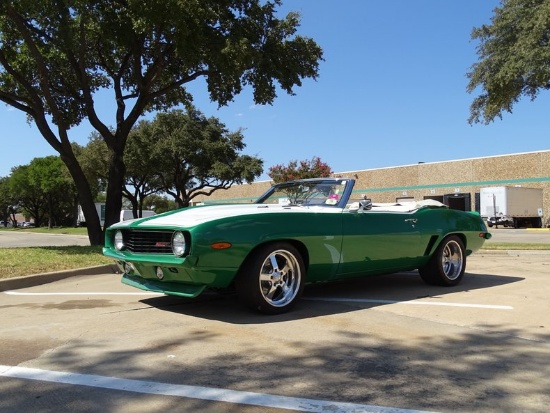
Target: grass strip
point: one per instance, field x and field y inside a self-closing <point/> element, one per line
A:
<point x="17" y="262"/>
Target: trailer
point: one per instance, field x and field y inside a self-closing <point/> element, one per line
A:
<point x="512" y="206"/>
<point x="127" y="214"/>
<point x="100" y="208"/>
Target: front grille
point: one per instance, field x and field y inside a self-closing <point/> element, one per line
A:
<point x="152" y="242"/>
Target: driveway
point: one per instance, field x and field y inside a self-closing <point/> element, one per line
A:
<point x="22" y="238"/>
<point x="383" y="344"/>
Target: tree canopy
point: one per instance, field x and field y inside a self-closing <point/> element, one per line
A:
<point x="182" y="154"/>
<point x="6" y="199"/>
<point x="196" y="155"/>
<point x="43" y="189"/>
<point x="55" y="56"/>
<point x="514" y="58"/>
<point x="313" y="168"/>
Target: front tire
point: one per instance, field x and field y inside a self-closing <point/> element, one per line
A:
<point x="272" y="278"/>
<point x="447" y="264"/>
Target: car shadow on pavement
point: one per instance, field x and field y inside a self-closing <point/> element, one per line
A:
<point x="326" y="298"/>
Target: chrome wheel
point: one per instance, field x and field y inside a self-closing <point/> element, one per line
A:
<point x="447" y="264"/>
<point x="280" y="278"/>
<point x="452" y="260"/>
<point x="272" y="278"/>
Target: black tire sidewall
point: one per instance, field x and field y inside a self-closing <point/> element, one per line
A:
<point x="434" y="274"/>
<point x="247" y="283"/>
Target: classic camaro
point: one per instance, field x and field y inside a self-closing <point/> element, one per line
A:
<point x="298" y="232"/>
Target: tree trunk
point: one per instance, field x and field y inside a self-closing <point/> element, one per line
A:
<point x="95" y="232"/>
<point x="113" y="203"/>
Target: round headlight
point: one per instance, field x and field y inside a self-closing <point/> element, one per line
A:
<point x="178" y="244"/>
<point x="119" y="240"/>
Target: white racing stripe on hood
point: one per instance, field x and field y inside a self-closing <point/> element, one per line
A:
<point x="193" y="216"/>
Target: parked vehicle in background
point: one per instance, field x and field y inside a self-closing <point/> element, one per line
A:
<point x="522" y="206"/>
<point x="6" y="224"/>
<point x="298" y="232"/>
<point x="127" y="214"/>
<point x="100" y="208"/>
<point x="503" y="220"/>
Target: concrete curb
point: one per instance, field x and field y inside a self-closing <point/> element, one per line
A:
<point x="16" y="283"/>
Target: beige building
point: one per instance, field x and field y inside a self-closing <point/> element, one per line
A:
<point x="455" y="183"/>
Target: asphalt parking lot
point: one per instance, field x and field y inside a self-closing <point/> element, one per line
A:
<point x="386" y="344"/>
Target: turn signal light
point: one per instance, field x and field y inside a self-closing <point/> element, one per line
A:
<point x="485" y="235"/>
<point x="220" y="245"/>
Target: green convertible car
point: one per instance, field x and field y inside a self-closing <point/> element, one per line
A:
<point x="298" y="232"/>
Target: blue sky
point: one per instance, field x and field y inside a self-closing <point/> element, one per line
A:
<point x="391" y="92"/>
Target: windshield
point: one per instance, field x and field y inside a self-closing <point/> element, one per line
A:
<point x="306" y="193"/>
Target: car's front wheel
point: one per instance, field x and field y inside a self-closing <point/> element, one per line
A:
<point x="447" y="264"/>
<point x="272" y="278"/>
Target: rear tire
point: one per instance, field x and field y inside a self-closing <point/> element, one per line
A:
<point x="272" y="279"/>
<point x="447" y="264"/>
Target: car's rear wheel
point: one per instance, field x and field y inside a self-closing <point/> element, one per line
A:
<point x="447" y="264"/>
<point x="272" y="278"/>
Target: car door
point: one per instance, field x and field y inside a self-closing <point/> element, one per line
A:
<point x="378" y="242"/>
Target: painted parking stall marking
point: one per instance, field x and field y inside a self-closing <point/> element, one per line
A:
<point x="78" y="294"/>
<point x="438" y="303"/>
<point x="328" y="299"/>
<point x="195" y="392"/>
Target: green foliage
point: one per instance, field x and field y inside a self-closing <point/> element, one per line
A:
<point x="314" y="168"/>
<point x="146" y="50"/>
<point x="160" y="204"/>
<point x="44" y="188"/>
<point x="6" y="198"/>
<point x="196" y="155"/>
<point x="142" y="178"/>
<point x="514" y="58"/>
<point x="179" y="153"/>
<point x="55" y="57"/>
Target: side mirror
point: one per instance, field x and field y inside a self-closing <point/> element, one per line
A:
<point x="366" y="204"/>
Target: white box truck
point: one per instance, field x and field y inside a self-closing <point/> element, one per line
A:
<point x="100" y="208"/>
<point x="127" y="214"/>
<point x="511" y="206"/>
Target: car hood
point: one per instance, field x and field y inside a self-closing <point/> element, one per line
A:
<point x="190" y="217"/>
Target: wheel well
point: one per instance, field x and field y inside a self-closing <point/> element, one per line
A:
<point x="296" y="244"/>
<point x="462" y="238"/>
<point x="432" y="245"/>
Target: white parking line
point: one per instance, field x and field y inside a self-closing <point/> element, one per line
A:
<point x="438" y="303"/>
<point x="195" y="392"/>
<point x="83" y="293"/>
<point x="333" y="299"/>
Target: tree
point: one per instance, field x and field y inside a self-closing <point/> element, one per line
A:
<point x="314" y="168"/>
<point x="29" y="194"/>
<point x="55" y="56"/>
<point x="51" y="177"/>
<point x="44" y="189"/>
<point x="196" y="155"/>
<point x="159" y="204"/>
<point x="514" y="58"/>
<point x="6" y="199"/>
<point x="142" y="177"/>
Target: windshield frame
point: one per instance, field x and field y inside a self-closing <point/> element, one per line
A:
<point x="340" y="202"/>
